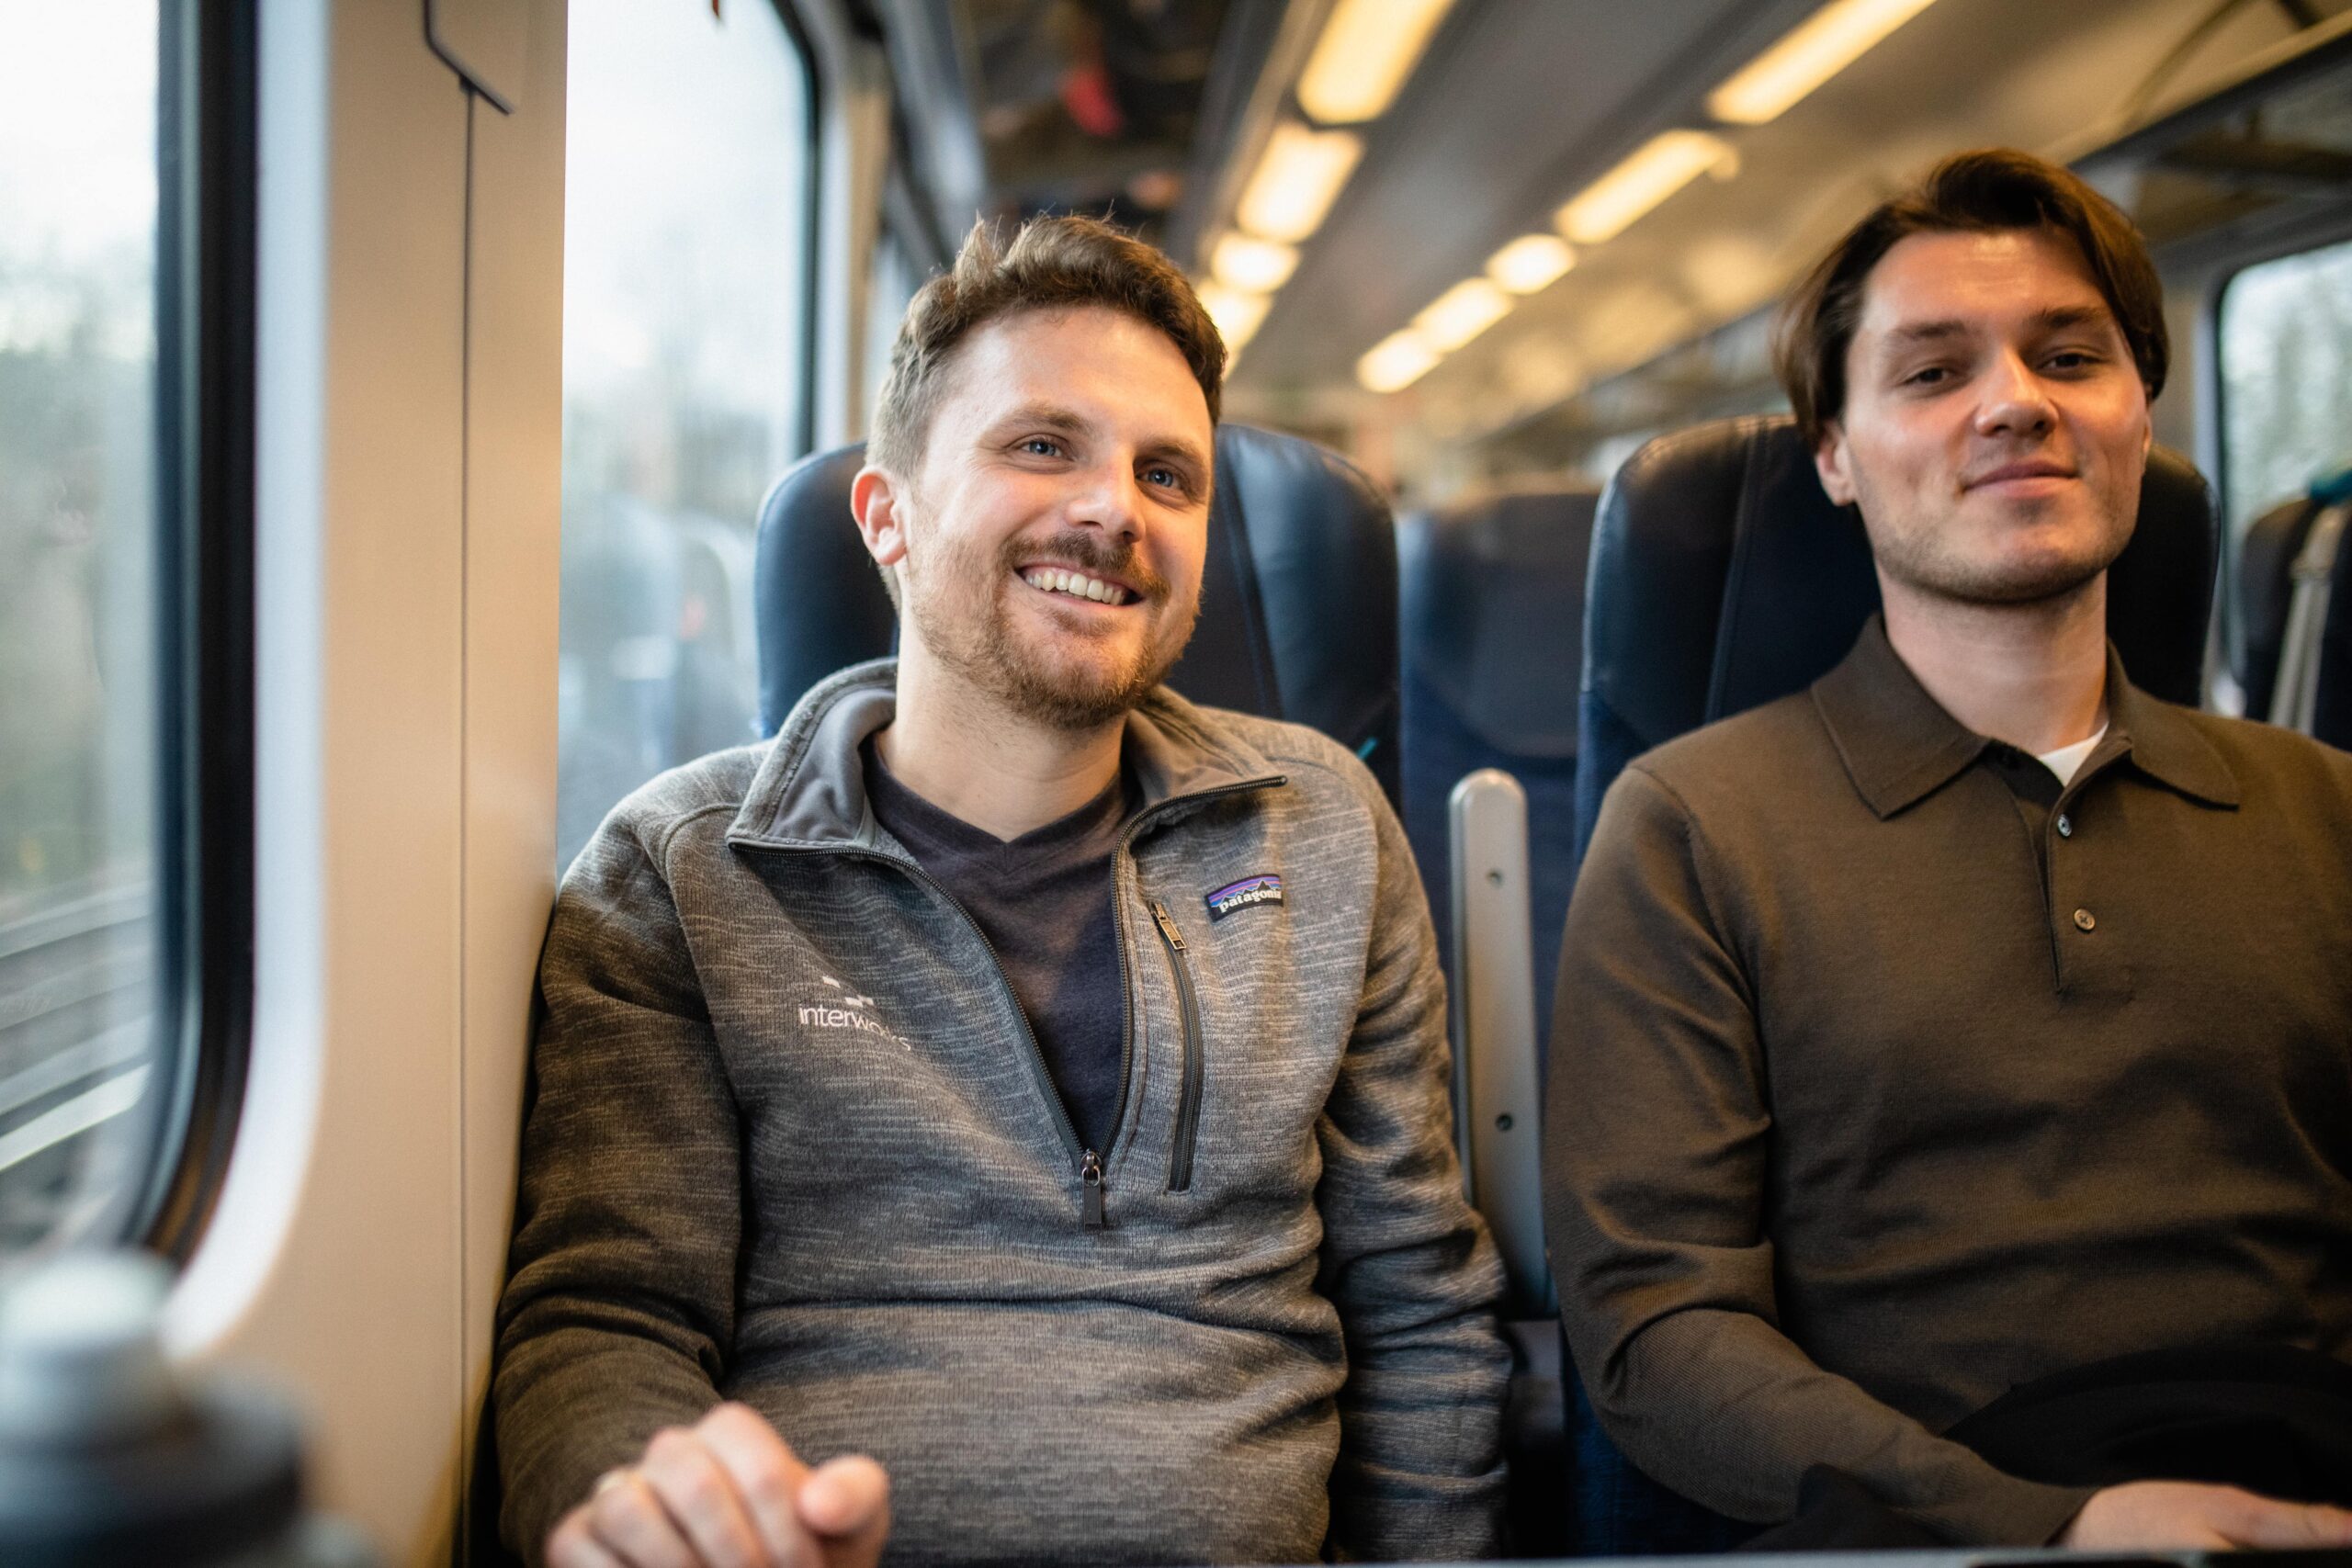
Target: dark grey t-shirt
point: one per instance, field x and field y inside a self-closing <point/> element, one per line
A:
<point x="1044" y="900"/>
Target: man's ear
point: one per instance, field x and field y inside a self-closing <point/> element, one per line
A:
<point x="1829" y="460"/>
<point x="877" y="498"/>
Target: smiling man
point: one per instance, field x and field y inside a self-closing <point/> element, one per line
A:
<point x="1972" y="1027"/>
<point x="1016" y="1092"/>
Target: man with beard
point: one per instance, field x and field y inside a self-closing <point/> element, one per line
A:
<point x="1971" y="1026"/>
<point x="1016" y="1093"/>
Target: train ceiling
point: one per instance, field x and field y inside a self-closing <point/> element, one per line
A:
<point x="1157" y="111"/>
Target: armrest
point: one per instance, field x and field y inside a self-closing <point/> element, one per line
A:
<point x="1497" y="1090"/>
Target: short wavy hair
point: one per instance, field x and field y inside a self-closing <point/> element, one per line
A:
<point x="1984" y="191"/>
<point x="1051" y="264"/>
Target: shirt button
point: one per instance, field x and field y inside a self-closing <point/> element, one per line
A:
<point x="2084" y="920"/>
<point x="2065" y="827"/>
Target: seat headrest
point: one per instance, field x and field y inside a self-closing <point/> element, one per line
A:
<point x="1723" y="577"/>
<point x="819" y="600"/>
<point x="1298" y="592"/>
<point x="1493" y="612"/>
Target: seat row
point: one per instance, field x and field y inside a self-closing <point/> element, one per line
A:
<point x="1495" y="664"/>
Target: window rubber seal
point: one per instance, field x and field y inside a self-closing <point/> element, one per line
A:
<point x="207" y="237"/>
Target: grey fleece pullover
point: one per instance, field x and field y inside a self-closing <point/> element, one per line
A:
<point x="791" y="1142"/>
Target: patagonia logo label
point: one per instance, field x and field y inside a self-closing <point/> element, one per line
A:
<point x="1242" y="895"/>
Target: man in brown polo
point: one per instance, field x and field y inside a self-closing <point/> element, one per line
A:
<point x="1971" y="1017"/>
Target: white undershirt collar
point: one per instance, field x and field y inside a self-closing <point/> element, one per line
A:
<point x="2067" y="759"/>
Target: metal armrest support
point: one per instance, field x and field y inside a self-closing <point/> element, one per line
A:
<point x="1497" y="1093"/>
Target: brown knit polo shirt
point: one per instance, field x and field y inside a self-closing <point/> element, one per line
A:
<point x="1875" y="1094"/>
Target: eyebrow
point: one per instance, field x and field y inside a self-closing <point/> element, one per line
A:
<point x="2057" y="318"/>
<point x="1184" y="451"/>
<point x="1051" y="415"/>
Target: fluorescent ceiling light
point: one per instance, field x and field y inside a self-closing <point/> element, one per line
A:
<point x="1664" y="163"/>
<point x="1461" y="313"/>
<point x="1401" y="359"/>
<point x="1528" y="266"/>
<point x="1296" y="181"/>
<point x="1237" y="313"/>
<point x="1255" y="267"/>
<point x="1816" y="50"/>
<point x="1367" y="49"/>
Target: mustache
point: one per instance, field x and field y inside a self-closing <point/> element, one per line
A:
<point x="1083" y="551"/>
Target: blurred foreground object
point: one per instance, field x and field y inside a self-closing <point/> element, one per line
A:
<point x="107" y="1456"/>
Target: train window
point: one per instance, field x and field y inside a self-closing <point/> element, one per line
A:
<point x="2286" y="353"/>
<point x="688" y="175"/>
<point x="891" y="282"/>
<point x="115" y="306"/>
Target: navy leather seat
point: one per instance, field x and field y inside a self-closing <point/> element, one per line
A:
<point x="2265" y="593"/>
<point x="1492" y="644"/>
<point x="1723" y="578"/>
<point x="1298" y="594"/>
<point x="2332" y="719"/>
<point x="1493" y="652"/>
<point x="2262" y="589"/>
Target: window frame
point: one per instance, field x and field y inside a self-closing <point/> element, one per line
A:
<point x="812" y="171"/>
<point x="2315" y="232"/>
<point x="207" y="234"/>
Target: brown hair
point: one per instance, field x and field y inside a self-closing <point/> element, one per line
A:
<point x="1990" y="189"/>
<point x="1053" y="263"/>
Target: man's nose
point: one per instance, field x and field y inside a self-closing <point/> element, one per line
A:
<point x="1110" y="500"/>
<point x="2014" y="401"/>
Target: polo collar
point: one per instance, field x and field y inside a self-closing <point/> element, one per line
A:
<point x="1900" y="746"/>
<point x="2166" y="741"/>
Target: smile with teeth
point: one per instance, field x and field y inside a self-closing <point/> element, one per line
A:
<point x="1077" y="584"/>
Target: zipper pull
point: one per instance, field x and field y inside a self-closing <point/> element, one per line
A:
<point x="1167" y="925"/>
<point x="1090" y="1171"/>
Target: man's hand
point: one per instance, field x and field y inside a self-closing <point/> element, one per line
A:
<point x="727" y="1493"/>
<point x="2158" y="1515"/>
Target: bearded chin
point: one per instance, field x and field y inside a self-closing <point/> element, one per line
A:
<point x="1072" y="694"/>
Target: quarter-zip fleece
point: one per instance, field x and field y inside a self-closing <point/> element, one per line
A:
<point x="791" y="1142"/>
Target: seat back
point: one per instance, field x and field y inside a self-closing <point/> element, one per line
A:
<point x="1298" y="592"/>
<point x="2308" y="695"/>
<point x="1724" y="577"/>
<point x="816" y="596"/>
<point x="2332" y="700"/>
<point x="1493" y="649"/>
<point x="2262" y="590"/>
<point x="1493" y="599"/>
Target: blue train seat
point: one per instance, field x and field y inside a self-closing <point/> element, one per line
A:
<point x="1721" y="578"/>
<point x="1493" y="601"/>
<point x="1298" y="594"/>
<point x="2332" y="705"/>
<point x="2262" y="591"/>
<point x="1493" y="648"/>
<point x="2292" y="651"/>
